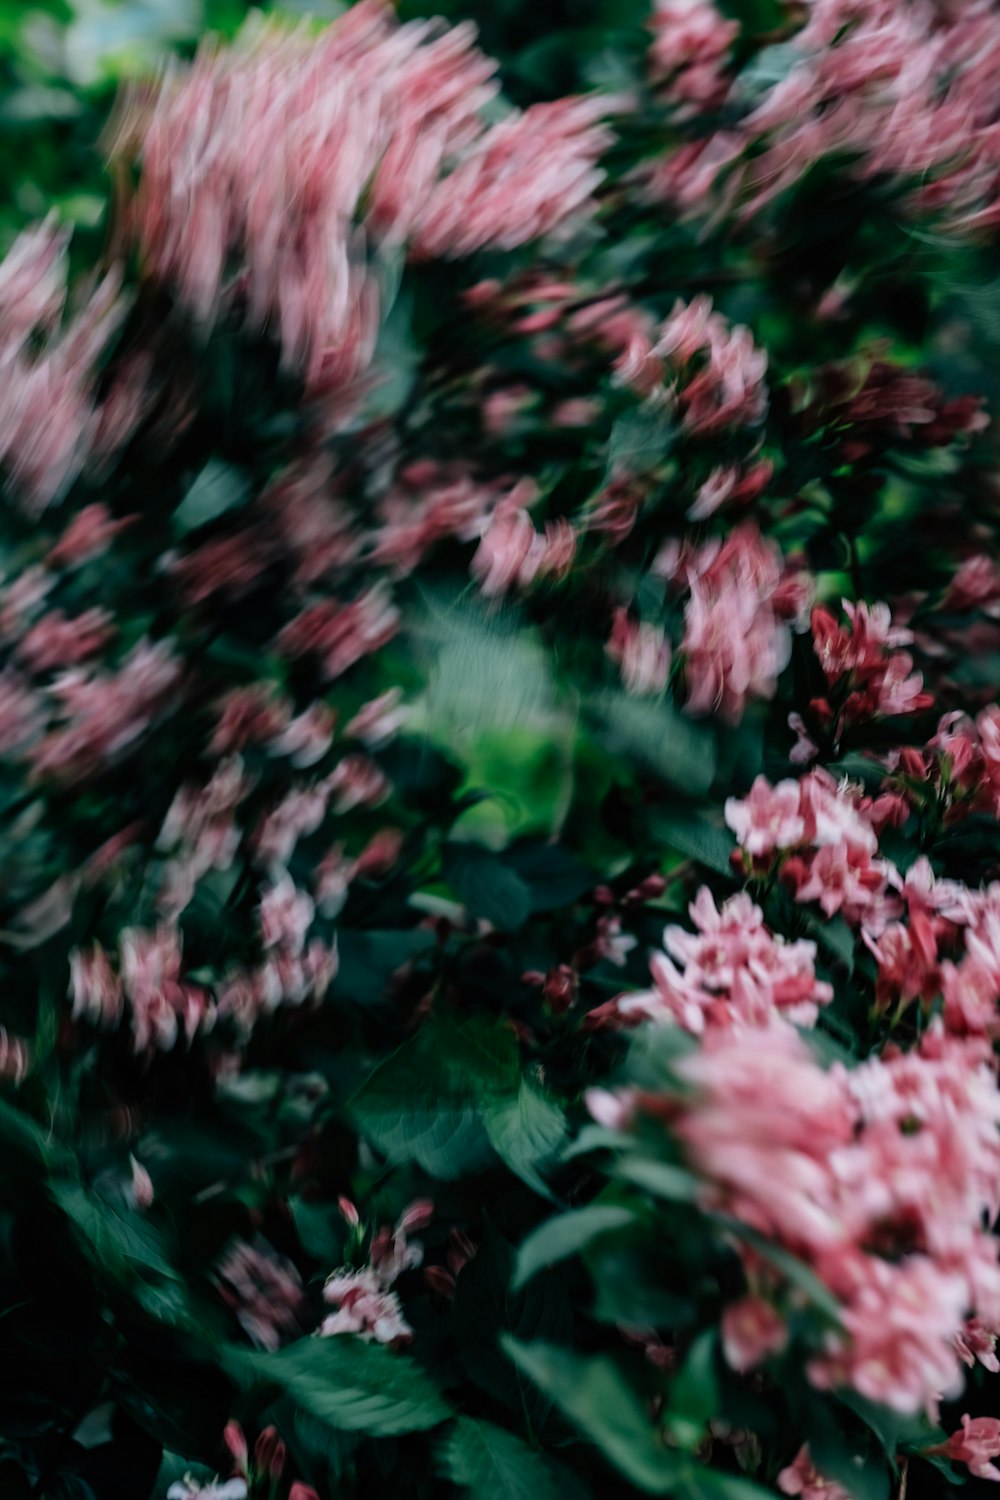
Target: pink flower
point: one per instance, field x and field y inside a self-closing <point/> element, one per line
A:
<point x="378" y="721"/>
<point x="15" y="1058"/>
<point x="365" y="1308"/>
<point x="769" y="819"/>
<point x="48" y="417"/>
<point x="752" y="1329"/>
<point x="801" y="1477"/>
<point x="528" y="176"/>
<point x="285" y="916"/>
<point x="734" y="973"/>
<point x="977" y="1342"/>
<point x="641" y="651"/>
<point x="95" y="988"/>
<point x="976" y="1443"/>
<point x="721" y="372"/>
<point x="104" y="715"/>
<point x="219" y="1489"/>
<point x="265" y="1292"/>
<point x="142" y="1185"/>
<point x="976" y="585"/>
<point x="88" y="534"/>
<point x="689" y="51"/>
<point x="342" y="634"/>
<point x="512" y="554"/>
<point x="306" y="738"/>
<point x="22" y="714"/>
<point x="735" y="644"/>
<point x="56" y="641"/>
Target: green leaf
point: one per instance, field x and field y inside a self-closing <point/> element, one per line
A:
<point x="218" y="488"/>
<point x="694" y="1391"/>
<point x="117" y="1243"/>
<point x="706" y="1484"/>
<point x="657" y="737"/>
<point x="640" y="440"/>
<point x="596" y="1138"/>
<point x="411" y="1116"/>
<point x="694" y="836"/>
<point x="428" y="1102"/>
<point x="894" y="1430"/>
<point x="630" y="1292"/>
<point x="595" y="1397"/>
<point x="320" y="1228"/>
<point x="494" y="1465"/>
<point x="348" y="1384"/>
<point x="526" y="1132"/>
<point x="557" y="1239"/>
<point x="553" y="875"/>
<point x="368" y="959"/>
<point x="833" y="934"/>
<point x="853" y="1456"/>
<point x="794" y="1270"/>
<point x="25" y="1141"/>
<point x="487" y="886"/>
<point x="660" y="1178"/>
<point x="486" y="1308"/>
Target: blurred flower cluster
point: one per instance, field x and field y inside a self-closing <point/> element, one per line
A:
<point x="500" y="758"/>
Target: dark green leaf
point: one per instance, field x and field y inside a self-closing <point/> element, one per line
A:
<point x="349" y="1384"/>
<point x="557" y="1239"/>
<point x="656" y="736"/>
<point x="833" y="934"/>
<point x="554" y="877"/>
<point x="660" y="1178"/>
<point x="794" y="1270"/>
<point x="487" y="886"/>
<point x="368" y="959"/>
<point x="694" y="1391"/>
<point x="526" y="1131"/>
<point x="694" y="836"/>
<point x="218" y="488"/>
<point x="487" y="1308"/>
<point x="115" y="1241"/>
<point x="491" y="1462"/>
<point x="595" y="1397"/>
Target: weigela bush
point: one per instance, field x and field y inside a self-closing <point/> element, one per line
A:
<point x="500" y="875"/>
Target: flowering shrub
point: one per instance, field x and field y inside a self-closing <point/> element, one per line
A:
<point x="500" y="875"/>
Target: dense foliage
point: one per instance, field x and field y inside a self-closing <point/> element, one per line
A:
<point x="499" y="760"/>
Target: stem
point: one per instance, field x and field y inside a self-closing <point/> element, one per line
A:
<point x="904" y="1474"/>
<point x="857" y="582"/>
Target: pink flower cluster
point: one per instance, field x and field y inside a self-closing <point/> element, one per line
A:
<point x="895" y="90"/>
<point x="970" y="750"/>
<point x="867" y="677"/>
<point x="880" y="1179"/>
<point x="512" y="554"/>
<point x="364" y="1300"/>
<point x="641" y="652"/>
<point x="265" y="1292"/>
<point x="262" y="166"/>
<point x="690" y="49"/>
<point x="736" y="637"/>
<point x="822" y="836"/>
<point x="160" y="1003"/>
<point x="716" y="372"/>
<point x="50" y="423"/>
<point x="732" y="972"/>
